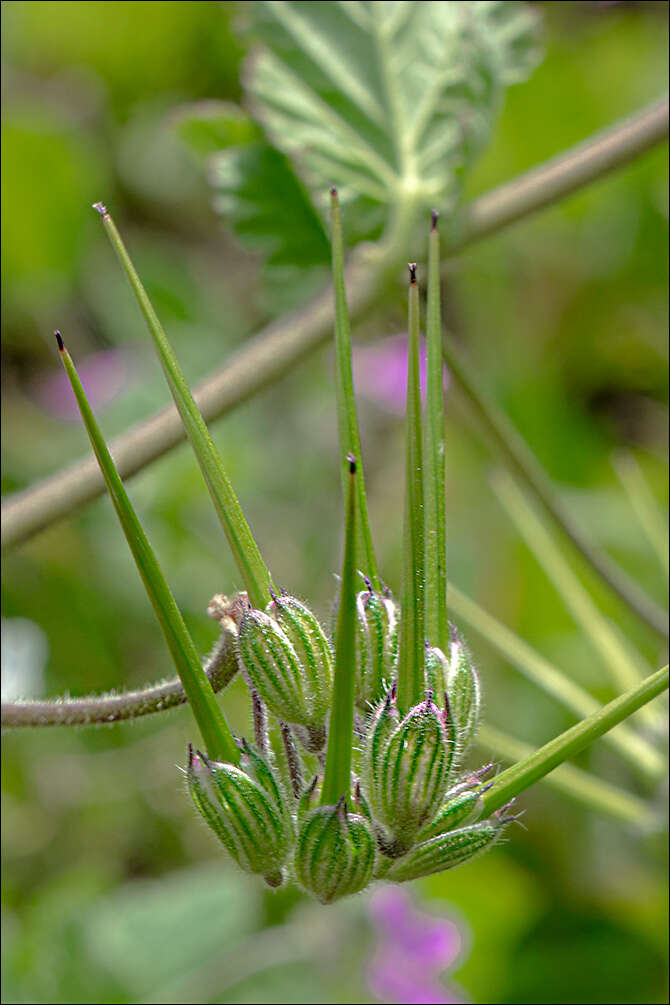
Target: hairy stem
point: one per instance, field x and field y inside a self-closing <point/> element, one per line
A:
<point x="105" y="709"/>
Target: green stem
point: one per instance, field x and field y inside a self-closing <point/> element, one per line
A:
<point x="337" y="774"/>
<point x="242" y="544"/>
<point x="275" y="350"/>
<point x="411" y="677"/>
<point x="437" y="626"/>
<point x="578" y="785"/>
<point x="216" y="733"/>
<point x="531" y="769"/>
<point x="644" y="505"/>
<point x="105" y="709"/>
<point x="350" y="444"/>
<point x="624" y="669"/>
<point x="518" y="457"/>
<point x="638" y="752"/>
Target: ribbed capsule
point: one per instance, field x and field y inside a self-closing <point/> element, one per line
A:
<point x="377" y="646"/>
<point x="335" y="853"/>
<point x="312" y="647"/>
<point x="406" y="767"/>
<point x="288" y="662"/>
<point x="445" y="851"/>
<point x="456" y="810"/>
<point x="463" y="691"/>
<point x="436" y="669"/>
<point x="246" y="808"/>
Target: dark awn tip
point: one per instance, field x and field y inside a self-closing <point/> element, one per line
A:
<point x="59" y="339"/>
<point x="434" y="217"/>
<point x="190" y="755"/>
<point x="100" y="208"/>
<point x="333" y="190"/>
<point x="412" y="272"/>
<point x="352" y="464"/>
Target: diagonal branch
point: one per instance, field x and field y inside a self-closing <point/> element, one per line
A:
<point x="278" y="347"/>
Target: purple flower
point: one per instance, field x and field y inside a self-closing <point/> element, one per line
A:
<point x="380" y="371"/>
<point x="104" y="375"/>
<point x="413" y="948"/>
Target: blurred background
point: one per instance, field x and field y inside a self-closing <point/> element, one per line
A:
<point x="112" y="889"/>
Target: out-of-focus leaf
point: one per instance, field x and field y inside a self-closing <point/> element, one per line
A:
<point x="387" y="99"/>
<point x="271" y="212"/>
<point x="208" y="126"/>
<point x="150" y="931"/>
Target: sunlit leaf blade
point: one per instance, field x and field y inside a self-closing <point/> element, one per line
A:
<point x="218" y="739"/>
<point x="412" y="635"/>
<point x="337" y="776"/>
<point x="531" y="769"/>
<point x="400" y="102"/>
<point x="252" y="569"/>
<point x="437" y="628"/>
<point x="553" y="681"/>
<point x="346" y="405"/>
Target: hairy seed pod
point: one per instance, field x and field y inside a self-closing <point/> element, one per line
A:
<point x="247" y="810"/>
<point x="271" y="666"/>
<point x="312" y="648"/>
<point x="406" y="768"/>
<point x="456" y="810"/>
<point x="436" y="670"/>
<point x="335" y="853"/>
<point x="446" y="851"/>
<point x="377" y="646"/>
<point x="463" y="692"/>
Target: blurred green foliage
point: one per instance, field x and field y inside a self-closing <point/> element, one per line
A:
<point x="111" y="889"/>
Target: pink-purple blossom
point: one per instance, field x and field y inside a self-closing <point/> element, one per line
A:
<point x="413" y="949"/>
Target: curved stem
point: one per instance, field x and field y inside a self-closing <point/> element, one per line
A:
<point x="510" y="783"/>
<point x="278" y="347"/>
<point x="105" y="709"/>
<point x="557" y="178"/>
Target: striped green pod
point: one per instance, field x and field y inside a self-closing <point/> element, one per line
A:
<point x="271" y="666"/>
<point x="463" y="692"/>
<point x="377" y="646"/>
<point x="436" y="671"/>
<point x="312" y="647"/>
<point x="335" y="853"/>
<point x="445" y="851"/>
<point x="406" y="768"/>
<point x="247" y="810"/>
<point x="455" y="811"/>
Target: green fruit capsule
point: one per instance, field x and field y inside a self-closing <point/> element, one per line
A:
<point x="463" y="693"/>
<point x="335" y="853"/>
<point x="311" y="646"/>
<point x="436" y="671"/>
<point x="406" y="769"/>
<point x="247" y="810"/>
<point x="377" y="646"/>
<point x="454" y="812"/>
<point x="271" y="666"/>
<point x="446" y="851"/>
